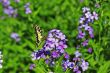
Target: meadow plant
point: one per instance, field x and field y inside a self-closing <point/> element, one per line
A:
<point x="53" y="48"/>
<point x="77" y="63"/>
<point x="78" y="42"/>
<point x="85" y="30"/>
<point x="56" y="43"/>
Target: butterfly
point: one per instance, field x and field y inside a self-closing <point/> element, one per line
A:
<point x="38" y="33"/>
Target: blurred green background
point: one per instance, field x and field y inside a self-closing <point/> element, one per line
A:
<point x="49" y="14"/>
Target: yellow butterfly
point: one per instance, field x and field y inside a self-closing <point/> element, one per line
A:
<point x="38" y="33"/>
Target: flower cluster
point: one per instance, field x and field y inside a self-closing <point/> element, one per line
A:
<point x="27" y="9"/>
<point x="53" y="47"/>
<point x="1" y="61"/>
<point x="10" y="10"/>
<point x="84" y="28"/>
<point x="77" y="64"/>
<point x="15" y="36"/>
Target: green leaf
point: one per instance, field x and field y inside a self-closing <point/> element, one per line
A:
<point x="104" y="68"/>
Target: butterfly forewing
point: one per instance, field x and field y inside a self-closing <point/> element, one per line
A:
<point x="38" y="32"/>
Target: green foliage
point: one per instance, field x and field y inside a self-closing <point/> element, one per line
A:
<point x="49" y="14"/>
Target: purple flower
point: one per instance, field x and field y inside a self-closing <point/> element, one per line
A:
<point x="76" y="59"/>
<point x="76" y="68"/>
<point x="53" y="47"/>
<point x="66" y="56"/>
<point x="85" y="9"/>
<point x="88" y="15"/>
<point x="55" y="54"/>
<point x="82" y="19"/>
<point x="38" y="54"/>
<point x="84" y="65"/>
<point x="90" y="30"/>
<point x="85" y="43"/>
<point x="47" y="61"/>
<point x="15" y="36"/>
<point x="95" y="15"/>
<point x="71" y="65"/>
<point x="27" y="5"/>
<point x="90" y="50"/>
<point x="32" y="66"/>
<point x="55" y="40"/>
<point x="27" y="9"/>
<point x="81" y="34"/>
<point x="61" y="46"/>
<point x="92" y="35"/>
<point x="65" y="64"/>
<point x="9" y="10"/>
<point x="78" y="71"/>
<point x="77" y="54"/>
<point x="5" y="3"/>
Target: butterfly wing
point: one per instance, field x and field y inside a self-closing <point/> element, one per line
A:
<point x="38" y="33"/>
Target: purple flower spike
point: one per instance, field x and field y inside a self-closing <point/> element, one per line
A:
<point x="55" y="40"/>
<point x="53" y="48"/>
